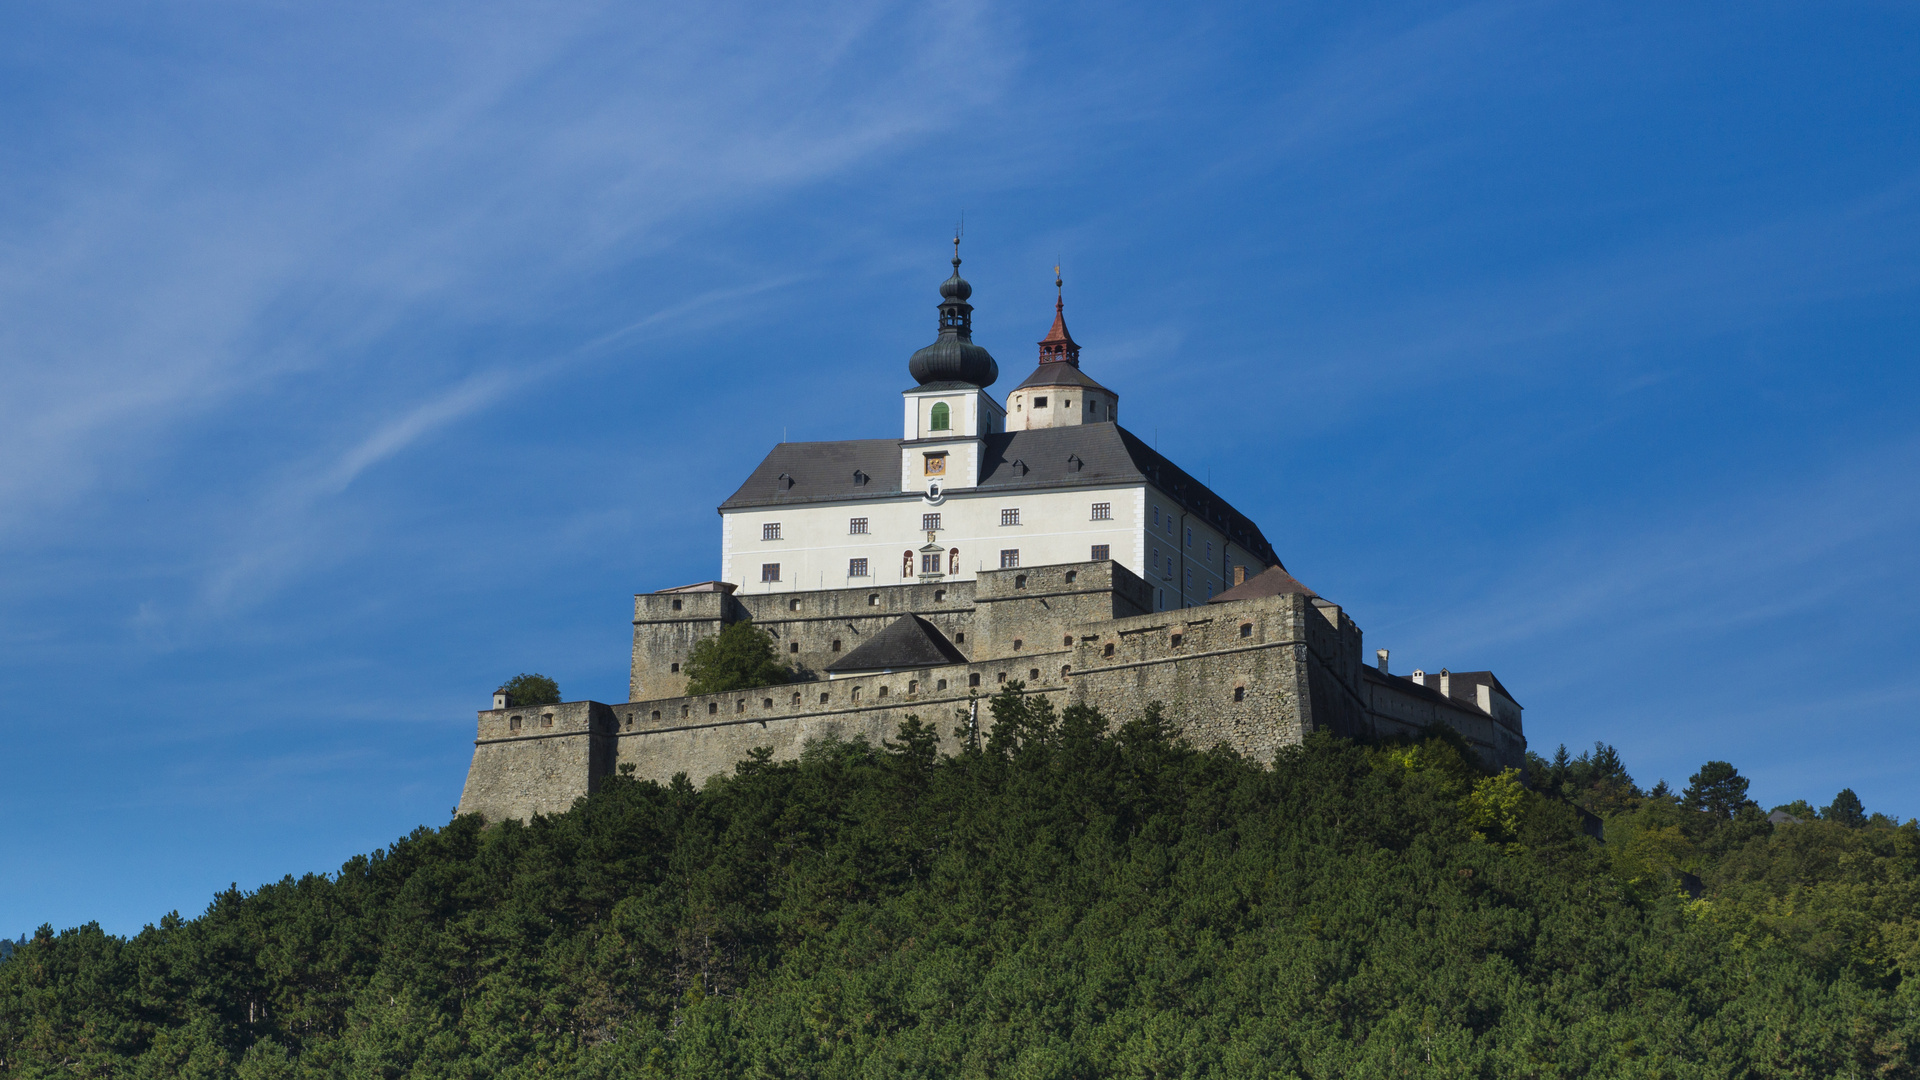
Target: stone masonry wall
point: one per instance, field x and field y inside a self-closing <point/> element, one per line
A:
<point x="1255" y="675"/>
<point x="553" y="755"/>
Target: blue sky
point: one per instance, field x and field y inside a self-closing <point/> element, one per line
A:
<point x="354" y="357"/>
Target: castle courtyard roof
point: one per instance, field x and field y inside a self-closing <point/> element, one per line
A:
<point x="1080" y="455"/>
<point x="908" y="642"/>
<point x="1274" y="581"/>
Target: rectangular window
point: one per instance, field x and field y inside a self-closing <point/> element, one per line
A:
<point x="1156" y="517"/>
<point x="936" y="464"/>
<point x="1009" y="558"/>
<point x="1009" y="517"/>
<point x="1189" y="536"/>
<point x="929" y="562"/>
<point x="770" y="571"/>
<point x="1101" y="553"/>
<point x="856" y="568"/>
<point x="1039" y="403"/>
<point x="770" y="531"/>
<point x="856" y="526"/>
<point x="1103" y="511"/>
<point x="1156" y="560"/>
<point x="1189" y="577"/>
<point x="1209" y="551"/>
<point x="929" y="522"/>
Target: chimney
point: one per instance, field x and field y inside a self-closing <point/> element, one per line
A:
<point x="1382" y="654"/>
<point x="1446" y="683"/>
<point x="500" y="700"/>
<point x="1240" y="575"/>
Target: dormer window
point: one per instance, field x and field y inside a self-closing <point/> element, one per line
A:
<point x="941" y="418"/>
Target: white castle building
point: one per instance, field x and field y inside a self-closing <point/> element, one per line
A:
<point x="970" y="486"/>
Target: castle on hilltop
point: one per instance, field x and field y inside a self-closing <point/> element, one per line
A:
<point x="1039" y="542"/>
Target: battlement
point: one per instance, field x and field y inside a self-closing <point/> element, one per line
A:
<point x="1255" y="674"/>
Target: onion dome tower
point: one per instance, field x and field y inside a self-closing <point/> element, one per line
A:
<point x="1058" y="393"/>
<point x="953" y="357"/>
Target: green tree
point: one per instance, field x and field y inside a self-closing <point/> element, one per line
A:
<point x="1846" y="810"/>
<point x="1717" y="789"/>
<point x="523" y="690"/>
<point x="739" y="657"/>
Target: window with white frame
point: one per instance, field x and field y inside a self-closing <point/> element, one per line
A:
<point x="770" y="531"/>
<point x="1156" y="517"/>
<point x="856" y="526"/>
<point x="856" y="568"/>
<point x="1010" y="517"/>
<point x="1009" y="558"/>
<point x="929" y="522"/>
<point x="770" y="571"/>
<point x="1103" y="511"/>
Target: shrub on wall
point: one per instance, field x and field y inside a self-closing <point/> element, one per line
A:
<point x="739" y="657"/>
<point x="523" y="690"/>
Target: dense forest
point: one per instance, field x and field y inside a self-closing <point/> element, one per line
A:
<point x="1070" y="899"/>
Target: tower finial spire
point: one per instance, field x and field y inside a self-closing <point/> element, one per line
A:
<point x="1058" y="346"/>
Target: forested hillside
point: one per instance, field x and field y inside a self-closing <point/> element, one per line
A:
<point x="1064" y="901"/>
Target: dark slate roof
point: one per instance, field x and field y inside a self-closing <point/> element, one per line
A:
<point x="1274" y="581"/>
<point x="1059" y="373"/>
<point x="821" y="472"/>
<point x="908" y="642"/>
<point x="1078" y="455"/>
<point x="1460" y="683"/>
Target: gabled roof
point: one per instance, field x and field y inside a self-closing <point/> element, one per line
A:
<point x="1274" y="581"/>
<point x="908" y="642"/>
<point x="1078" y="455"/>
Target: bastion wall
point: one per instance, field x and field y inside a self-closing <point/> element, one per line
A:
<point x="1254" y="675"/>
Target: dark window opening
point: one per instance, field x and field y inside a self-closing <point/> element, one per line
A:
<point x="1239" y="693"/>
<point x="1246" y="629"/>
<point x="793" y="646"/>
<point x="676" y="605"/>
<point x="513" y="723"/>
<point x="973" y="680"/>
<point x="1109" y="651"/>
<point x="836" y="644"/>
<point x="1017" y="643"/>
<point x="676" y="669"/>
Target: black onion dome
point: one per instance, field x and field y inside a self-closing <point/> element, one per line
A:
<point x="953" y="357"/>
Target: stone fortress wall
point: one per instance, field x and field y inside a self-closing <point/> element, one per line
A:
<point x="1255" y="674"/>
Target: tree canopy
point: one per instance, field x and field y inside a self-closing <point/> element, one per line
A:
<point x="739" y="657"/>
<point x="524" y="690"/>
<point x="1066" y="898"/>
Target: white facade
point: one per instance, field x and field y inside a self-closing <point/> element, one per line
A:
<point x="799" y="548"/>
